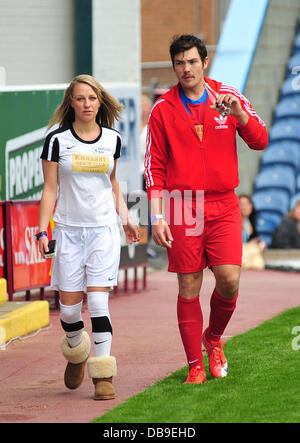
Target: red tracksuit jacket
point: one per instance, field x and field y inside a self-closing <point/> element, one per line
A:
<point x="175" y="157"/>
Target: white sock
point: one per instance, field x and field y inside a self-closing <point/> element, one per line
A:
<point x="101" y="324"/>
<point x="71" y="321"/>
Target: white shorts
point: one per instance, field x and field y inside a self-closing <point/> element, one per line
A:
<point x="85" y="257"/>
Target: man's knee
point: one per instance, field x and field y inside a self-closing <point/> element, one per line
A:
<point x="227" y="281"/>
<point x="189" y="284"/>
<point x="228" y="287"/>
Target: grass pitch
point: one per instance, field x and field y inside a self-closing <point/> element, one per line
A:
<point x="262" y="386"/>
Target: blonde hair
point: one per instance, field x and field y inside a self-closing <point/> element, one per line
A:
<point x="109" y="110"/>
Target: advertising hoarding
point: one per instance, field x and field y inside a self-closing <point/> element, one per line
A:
<point x="2" y="244"/>
<point x="30" y="270"/>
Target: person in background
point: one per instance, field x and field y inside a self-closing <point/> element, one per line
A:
<point x="79" y="161"/>
<point x="252" y="246"/>
<point x="146" y="106"/>
<point x="248" y="218"/>
<point x="287" y="234"/>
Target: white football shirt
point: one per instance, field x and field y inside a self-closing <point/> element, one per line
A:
<point x="85" y="195"/>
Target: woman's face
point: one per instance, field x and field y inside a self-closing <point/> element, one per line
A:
<point x="85" y="102"/>
<point x="245" y="206"/>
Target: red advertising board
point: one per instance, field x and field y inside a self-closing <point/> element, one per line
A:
<point x="2" y="243"/>
<point x="30" y="270"/>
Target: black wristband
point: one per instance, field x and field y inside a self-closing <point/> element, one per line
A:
<point x="41" y="234"/>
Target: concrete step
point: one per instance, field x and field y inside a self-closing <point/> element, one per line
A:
<point x="18" y="319"/>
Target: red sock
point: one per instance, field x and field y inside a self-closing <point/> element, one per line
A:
<point x="221" y="310"/>
<point x="190" y="322"/>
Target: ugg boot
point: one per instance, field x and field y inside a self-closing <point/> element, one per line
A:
<point x="76" y="358"/>
<point x="102" y="370"/>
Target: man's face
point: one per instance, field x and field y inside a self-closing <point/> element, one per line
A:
<point x="189" y="68"/>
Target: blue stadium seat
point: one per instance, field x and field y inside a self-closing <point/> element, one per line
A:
<point x="271" y="200"/>
<point x="294" y="200"/>
<point x="291" y="86"/>
<point x="267" y="222"/>
<point x="297" y="43"/>
<point x="287" y="128"/>
<point x="288" y="107"/>
<point x="294" y="62"/>
<point x="282" y="177"/>
<point x="298" y="183"/>
<point x="282" y="152"/>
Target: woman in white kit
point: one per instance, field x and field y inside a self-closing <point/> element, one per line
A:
<point x="79" y="159"/>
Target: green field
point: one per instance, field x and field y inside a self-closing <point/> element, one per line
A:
<point x="263" y="384"/>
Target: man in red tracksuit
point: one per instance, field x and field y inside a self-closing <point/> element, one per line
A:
<point x="191" y="162"/>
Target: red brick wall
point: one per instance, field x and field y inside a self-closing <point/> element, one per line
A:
<point x="161" y="20"/>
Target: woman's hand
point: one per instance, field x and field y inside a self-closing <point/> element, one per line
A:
<point x="131" y="231"/>
<point x="43" y="245"/>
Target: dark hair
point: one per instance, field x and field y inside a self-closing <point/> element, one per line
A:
<point x="184" y="42"/>
<point x="252" y="216"/>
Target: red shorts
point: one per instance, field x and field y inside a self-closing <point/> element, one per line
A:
<point x="218" y="242"/>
